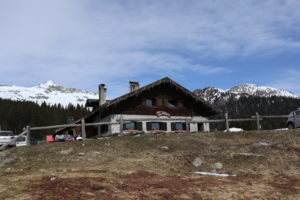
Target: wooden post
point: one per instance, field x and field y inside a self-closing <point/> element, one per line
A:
<point x="227" y="122"/>
<point x="294" y="119"/>
<point x="28" y="139"/>
<point x="83" y="132"/>
<point x="257" y="121"/>
<point x="187" y="125"/>
<point x="121" y="125"/>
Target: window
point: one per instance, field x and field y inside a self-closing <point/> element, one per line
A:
<point x="150" y="102"/>
<point x="129" y="126"/>
<point x="6" y="133"/>
<point x="177" y="126"/>
<point x="172" y="103"/>
<point x="156" y="126"/>
<point x="21" y="139"/>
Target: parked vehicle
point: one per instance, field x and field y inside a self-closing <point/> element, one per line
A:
<point x="6" y="136"/>
<point x="294" y="122"/>
<point x="21" y="141"/>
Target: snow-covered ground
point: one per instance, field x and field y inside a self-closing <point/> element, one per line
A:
<point x="234" y="129"/>
<point x="48" y="92"/>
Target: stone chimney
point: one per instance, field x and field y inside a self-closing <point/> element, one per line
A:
<point x="134" y="86"/>
<point x="102" y="94"/>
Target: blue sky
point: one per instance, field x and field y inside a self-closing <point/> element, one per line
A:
<point x="81" y="43"/>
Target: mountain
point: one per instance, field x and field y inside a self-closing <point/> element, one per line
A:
<point x="214" y="95"/>
<point x="243" y="101"/>
<point x="48" y="92"/>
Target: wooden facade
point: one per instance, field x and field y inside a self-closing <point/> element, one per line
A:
<point x="163" y="97"/>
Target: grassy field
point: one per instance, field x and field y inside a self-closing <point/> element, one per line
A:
<point x="266" y="165"/>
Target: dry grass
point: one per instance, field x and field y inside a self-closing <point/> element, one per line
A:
<point x="136" y="168"/>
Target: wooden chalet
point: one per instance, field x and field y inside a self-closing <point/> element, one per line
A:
<point x="160" y="106"/>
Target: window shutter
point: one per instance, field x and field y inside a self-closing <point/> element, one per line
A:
<point x="148" y="126"/>
<point x="184" y="126"/>
<point x="173" y="126"/>
<point x="163" y="126"/>
<point x="139" y="126"/>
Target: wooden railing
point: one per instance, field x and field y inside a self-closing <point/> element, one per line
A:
<point x="121" y="121"/>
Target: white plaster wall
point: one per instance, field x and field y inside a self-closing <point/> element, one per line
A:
<point x="115" y="128"/>
<point x="206" y="127"/>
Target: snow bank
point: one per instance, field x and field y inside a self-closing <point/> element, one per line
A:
<point x="233" y="129"/>
<point x="214" y="174"/>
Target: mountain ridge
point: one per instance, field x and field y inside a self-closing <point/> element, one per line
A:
<point x="212" y="94"/>
<point x="48" y="92"/>
<point x="52" y="93"/>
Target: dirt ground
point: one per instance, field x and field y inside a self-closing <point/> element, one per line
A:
<point x="266" y="166"/>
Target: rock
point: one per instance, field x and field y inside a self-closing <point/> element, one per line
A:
<point x="197" y="162"/>
<point x="66" y="151"/>
<point x="165" y="148"/>
<point x="81" y="154"/>
<point x="217" y="166"/>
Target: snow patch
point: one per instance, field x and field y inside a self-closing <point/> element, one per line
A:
<point x="233" y="129"/>
<point x="214" y="174"/>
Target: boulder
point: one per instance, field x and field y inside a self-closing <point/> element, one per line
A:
<point x="217" y="166"/>
<point x="164" y="148"/>
<point x="197" y="162"/>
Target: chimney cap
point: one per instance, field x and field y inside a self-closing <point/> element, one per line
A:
<point x="133" y="82"/>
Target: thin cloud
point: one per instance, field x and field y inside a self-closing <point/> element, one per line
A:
<point x="289" y="80"/>
<point x="77" y="42"/>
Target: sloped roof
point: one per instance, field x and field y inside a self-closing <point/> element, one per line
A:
<point x="211" y="108"/>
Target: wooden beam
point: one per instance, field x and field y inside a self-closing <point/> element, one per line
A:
<point x="257" y="121"/>
<point x="28" y="139"/>
<point x="226" y="121"/>
<point x="187" y="125"/>
<point x="83" y="131"/>
<point x="121" y="125"/>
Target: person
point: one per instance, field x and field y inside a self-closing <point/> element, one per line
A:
<point x="60" y="138"/>
<point x="69" y="137"/>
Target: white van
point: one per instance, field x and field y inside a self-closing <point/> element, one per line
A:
<point x="21" y="141"/>
<point x="6" y="137"/>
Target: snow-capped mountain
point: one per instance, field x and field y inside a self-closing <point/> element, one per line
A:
<point x="211" y="94"/>
<point x="48" y="92"/>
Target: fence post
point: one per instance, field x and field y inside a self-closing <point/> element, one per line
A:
<point x="227" y="122"/>
<point x="187" y="125"/>
<point x="83" y="129"/>
<point x="294" y="120"/>
<point x="121" y="125"/>
<point x="257" y="121"/>
<point x="28" y="139"/>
